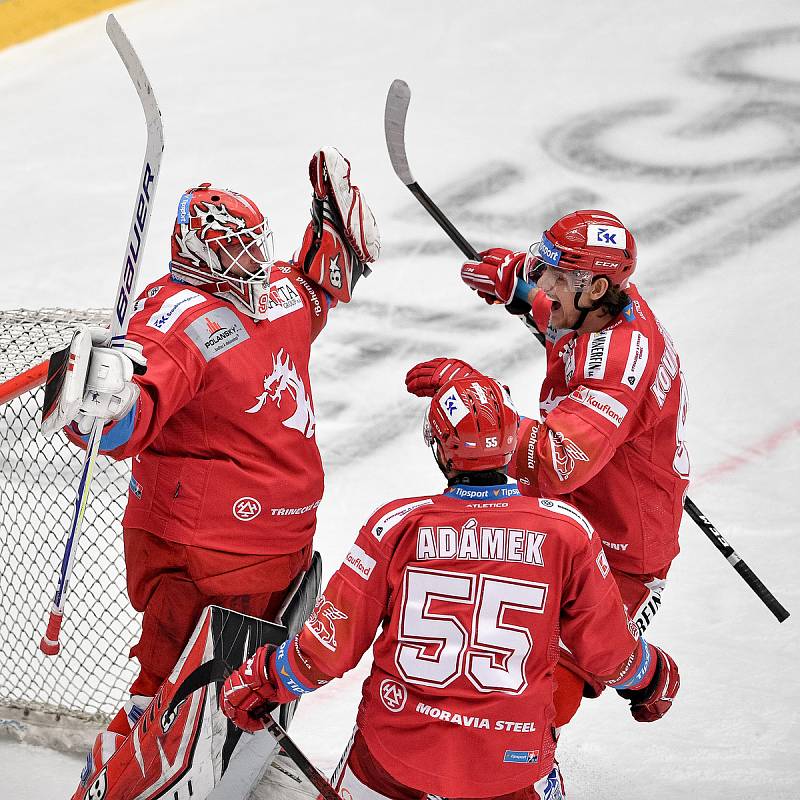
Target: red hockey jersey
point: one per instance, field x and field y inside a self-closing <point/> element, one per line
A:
<point x="470" y="590"/>
<point x="223" y="434"/>
<point x="613" y="405"/>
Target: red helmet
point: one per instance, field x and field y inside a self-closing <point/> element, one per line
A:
<point x="221" y="239"/>
<point x="473" y="423"/>
<point x="586" y="244"/>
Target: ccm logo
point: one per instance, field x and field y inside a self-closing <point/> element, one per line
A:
<point x="606" y="264"/>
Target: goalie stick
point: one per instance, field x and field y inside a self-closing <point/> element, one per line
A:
<point x="131" y="263"/>
<point x="394" y="125"/>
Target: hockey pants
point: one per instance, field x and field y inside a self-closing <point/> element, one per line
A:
<point x="172" y="583"/>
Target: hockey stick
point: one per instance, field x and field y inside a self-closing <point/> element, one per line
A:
<point x="394" y="122"/>
<point x="216" y="670"/>
<point x="131" y="263"/>
<point x="394" y="127"/>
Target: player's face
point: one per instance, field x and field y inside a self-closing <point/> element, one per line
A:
<point x="242" y="259"/>
<point x="555" y="283"/>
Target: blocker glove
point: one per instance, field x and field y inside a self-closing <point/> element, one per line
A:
<point x="496" y="276"/>
<point x="654" y="700"/>
<point x="425" y="379"/>
<point x="91" y="380"/>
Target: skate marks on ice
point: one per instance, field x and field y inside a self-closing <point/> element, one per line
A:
<point x="711" y="189"/>
<point x="359" y="364"/>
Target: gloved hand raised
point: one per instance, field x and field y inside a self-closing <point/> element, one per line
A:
<point x="426" y="378"/>
<point x="496" y="276"/>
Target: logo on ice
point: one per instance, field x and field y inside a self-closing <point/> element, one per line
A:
<point x="284" y="378"/>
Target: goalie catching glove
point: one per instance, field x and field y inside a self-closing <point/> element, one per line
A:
<point x="91" y="380"/>
<point x="342" y="237"/>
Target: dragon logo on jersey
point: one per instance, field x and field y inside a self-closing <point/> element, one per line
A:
<point x="565" y="454"/>
<point x="284" y="378"/>
<point x="322" y="622"/>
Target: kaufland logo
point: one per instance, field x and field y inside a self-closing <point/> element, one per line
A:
<point x="548" y="252"/>
<point x="361" y="563"/>
<point x="602" y="403"/>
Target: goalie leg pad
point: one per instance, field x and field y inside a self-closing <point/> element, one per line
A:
<point x="187" y="752"/>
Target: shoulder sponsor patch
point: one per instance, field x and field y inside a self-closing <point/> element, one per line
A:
<point x="391" y="518"/>
<point x="216" y="332"/>
<point x="637" y="360"/>
<point x="172" y="308"/>
<point x="601" y="403"/>
<point x="597" y="355"/>
<point x="361" y="563"/>
<point x="606" y="236"/>
<point x="567" y="510"/>
<point x="284" y="298"/>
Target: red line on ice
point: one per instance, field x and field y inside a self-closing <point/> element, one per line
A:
<point x="751" y="453"/>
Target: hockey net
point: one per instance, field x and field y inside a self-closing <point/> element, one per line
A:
<point x="89" y="678"/>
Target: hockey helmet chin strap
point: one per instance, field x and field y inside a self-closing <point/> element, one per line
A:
<point x="584" y="312"/>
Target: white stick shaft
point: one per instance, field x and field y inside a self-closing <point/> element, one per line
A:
<point x="132" y="259"/>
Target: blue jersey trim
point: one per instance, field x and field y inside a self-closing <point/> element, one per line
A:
<point x="644" y="665"/>
<point x="463" y="491"/>
<point x="523" y="290"/>
<point x="286" y="674"/>
<point x="117" y="434"/>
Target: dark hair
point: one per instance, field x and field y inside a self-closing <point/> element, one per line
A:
<point x="614" y="300"/>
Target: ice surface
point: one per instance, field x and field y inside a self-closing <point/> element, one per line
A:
<point x="680" y="117"/>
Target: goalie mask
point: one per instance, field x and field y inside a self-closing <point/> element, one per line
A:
<point x="222" y="243"/>
<point x="471" y="425"/>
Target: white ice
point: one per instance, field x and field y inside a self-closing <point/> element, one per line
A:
<point x="681" y="117"/>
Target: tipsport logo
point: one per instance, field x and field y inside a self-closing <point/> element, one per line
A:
<point x="548" y="252"/>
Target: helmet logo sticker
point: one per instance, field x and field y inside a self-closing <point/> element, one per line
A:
<point x="454" y="407"/>
<point x="606" y="236"/>
<point x="284" y="378"/>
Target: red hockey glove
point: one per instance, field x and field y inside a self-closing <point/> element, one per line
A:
<point x="495" y="276"/>
<point x="655" y="699"/>
<point x="425" y="379"/>
<point x="248" y="689"/>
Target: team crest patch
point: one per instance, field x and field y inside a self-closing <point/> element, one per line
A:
<point x="322" y="622"/>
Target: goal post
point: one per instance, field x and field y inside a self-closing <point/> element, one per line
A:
<point x="90" y="678"/>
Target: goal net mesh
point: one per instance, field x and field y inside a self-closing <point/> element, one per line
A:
<point x="90" y="676"/>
